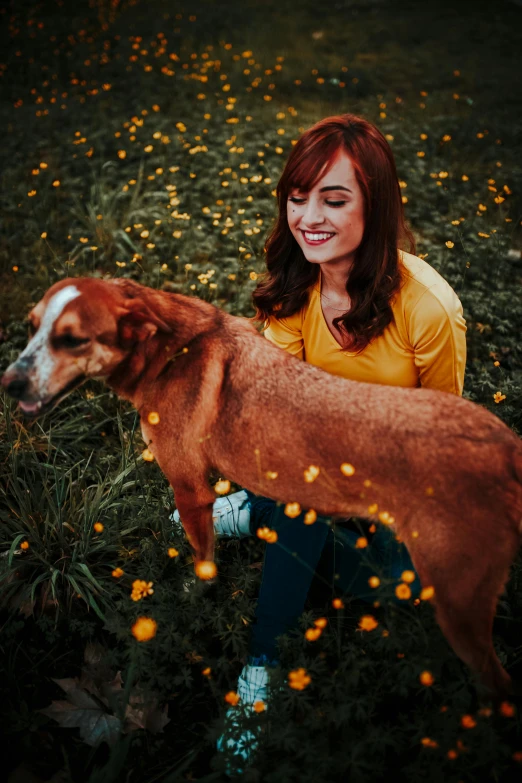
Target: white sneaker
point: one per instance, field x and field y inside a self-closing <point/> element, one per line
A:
<point x="236" y="740"/>
<point x="231" y="516"/>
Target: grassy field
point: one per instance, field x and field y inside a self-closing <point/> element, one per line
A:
<point x="145" y="140"/>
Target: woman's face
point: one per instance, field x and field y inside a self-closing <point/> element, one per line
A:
<point x="328" y="222"/>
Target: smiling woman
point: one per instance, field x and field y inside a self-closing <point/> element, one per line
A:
<point x="340" y="293"/>
<point x="341" y="224"/>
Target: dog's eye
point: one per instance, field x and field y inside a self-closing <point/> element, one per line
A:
<point x="32" y="329"/>
<point x="69" y="341"/>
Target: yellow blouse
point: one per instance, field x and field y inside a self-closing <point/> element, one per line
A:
<point x="426" y="346"/>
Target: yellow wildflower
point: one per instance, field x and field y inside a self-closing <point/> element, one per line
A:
<point x="368" y="623"/>
<point x="144" y="629"/>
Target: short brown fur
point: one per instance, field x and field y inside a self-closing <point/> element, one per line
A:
<point x="447" y="470"/>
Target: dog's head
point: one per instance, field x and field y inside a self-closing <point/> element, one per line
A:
<point x="82" y="328"/>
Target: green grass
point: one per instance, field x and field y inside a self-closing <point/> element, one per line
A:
<point x="365" y="712"/>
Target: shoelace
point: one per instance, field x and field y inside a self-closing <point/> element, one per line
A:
<point x="233" y="526"/>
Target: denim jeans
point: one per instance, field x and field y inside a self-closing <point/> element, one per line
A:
<point x="324" y="548"/>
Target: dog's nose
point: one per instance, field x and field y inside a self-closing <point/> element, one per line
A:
<point x="16" y="387"/>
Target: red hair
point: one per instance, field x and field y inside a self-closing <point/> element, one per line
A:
<point x="375" y="276"/>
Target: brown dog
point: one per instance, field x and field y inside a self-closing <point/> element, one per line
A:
<point x="446" y="473"/>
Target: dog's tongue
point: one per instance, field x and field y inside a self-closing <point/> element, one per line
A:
<point x="30" y="407"/>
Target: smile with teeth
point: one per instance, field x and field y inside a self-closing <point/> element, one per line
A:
<point x="317" y="237"/>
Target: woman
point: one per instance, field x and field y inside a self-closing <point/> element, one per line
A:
<point x="340" y="294"/>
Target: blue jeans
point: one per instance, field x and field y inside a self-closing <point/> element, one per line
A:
<point x="302" y="550"/>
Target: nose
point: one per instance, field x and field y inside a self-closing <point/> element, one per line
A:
<point x="15" y="385"/>
<point x="313" y="214"/>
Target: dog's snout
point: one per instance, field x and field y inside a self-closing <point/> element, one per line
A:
<point x="16" y="386"/>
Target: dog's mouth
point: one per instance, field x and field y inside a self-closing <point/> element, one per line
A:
<point x="34" y="409"/>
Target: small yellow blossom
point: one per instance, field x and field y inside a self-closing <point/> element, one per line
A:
<point x="222" y="487"/>
<point x="232" y="698"/>
<point x="427" y="593"/>
<point x="467" y="722"/>
<point x="153" y="417"/>
<point x="206" y="569"/>
<point x="259" y="706"/>
<point x="270" y="536"/>
<point x="408" y="576"/>
<point x="403" y="592"/>
<point x="507" y="709"/>
<point x="141" y="589"/>
<point x="298" y="679"/>
<point x="118" y="572"/>
<point x="386" y="518"/>
<point x="147" y="455"/>
<point x="144" y="629"/>
<point x="172" y="551"/>
<point x="98" y="527"/>
<point x="450" y="244"/>
<point x="312" y="634"/>
<point x="292" y="510"/>
<point x="426" y="678"/>
<point x="361" y="543"/>
<point x="24" y="545"/>
<point x="310" y="517"/>
<point x="374" y="581"/>
<point x="337" y="603"/>
<point x="311" y="473"/>
<point x="347" y="469"/>
<point x="368" y="623"/>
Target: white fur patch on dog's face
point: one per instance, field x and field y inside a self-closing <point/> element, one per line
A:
<point x="38" y="352"/>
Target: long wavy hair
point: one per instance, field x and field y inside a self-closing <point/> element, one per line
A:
<point x="375" y="276"/>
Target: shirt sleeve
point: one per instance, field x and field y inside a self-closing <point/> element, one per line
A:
<point x="438" y="335"/>
<point x="286" y="333"/>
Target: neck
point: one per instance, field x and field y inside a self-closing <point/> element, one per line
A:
<point x="333" y="284"/>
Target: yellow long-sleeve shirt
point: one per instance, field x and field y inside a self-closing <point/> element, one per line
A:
<point x="426" y="346"/>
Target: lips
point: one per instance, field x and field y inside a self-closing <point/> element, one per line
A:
<point x="318" y="233"/>
<point x="35" y="409"/>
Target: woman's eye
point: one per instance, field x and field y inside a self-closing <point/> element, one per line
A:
<point x="298" y="201"/>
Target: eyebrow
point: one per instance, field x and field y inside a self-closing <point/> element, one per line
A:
<point x="329" y="187"/>
<point x="334" y="187"/>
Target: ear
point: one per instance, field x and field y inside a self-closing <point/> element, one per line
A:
<point x="137" y="322"/>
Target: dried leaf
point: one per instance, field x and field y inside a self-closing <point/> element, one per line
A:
<point x="92" y="698"/>
<point x="145" y="715"/>
<point x="95" y="725"/>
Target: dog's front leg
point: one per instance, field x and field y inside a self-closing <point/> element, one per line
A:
<point x="194" y="503"/>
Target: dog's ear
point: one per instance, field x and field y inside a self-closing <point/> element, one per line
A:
<point x="138" y="322"/>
